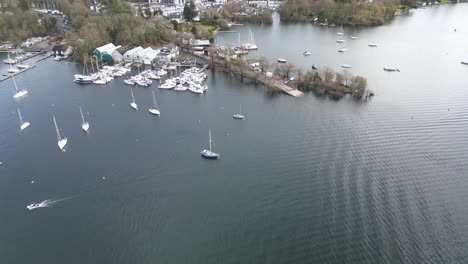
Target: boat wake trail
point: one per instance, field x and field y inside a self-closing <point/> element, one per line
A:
<point x="52" y="202"/>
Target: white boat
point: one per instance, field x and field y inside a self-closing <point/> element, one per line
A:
<point x="282" y="60"/>
<point x="208" y="154"/>
<point x="154" y="110"/>
<point x="353" y="36"/>
<point x="346" y="66"/>
<point x="129" y="81"/>
<point x="464" y="62"/>
<point x="23" y="125"/>
<point x="36" y="205"/>
<point x="84" y="124"/>
<point x="133" y="104"/>
<point x="307" y="53"/>
<point x="340" y="40"/>
<point x="390" y="69"/>
<point x="239" y="115"/>
<point x="19" y="93"/>
<point x="342" y="49"/>
<point x="13" y="70"/>
<point x="181" y="88"/>
<point x="372" y="44"/>
<point x="61" y="142"/>
<point x="167" y="85"/>
<point x="195" y="89"/>
<point x="10" y="60"/>
<point x="340" y="33"/>
<point x="251" y="44"/>
<point x="22" y="66"/>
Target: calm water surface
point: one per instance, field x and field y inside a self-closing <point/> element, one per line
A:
<point x="300" y="180"/>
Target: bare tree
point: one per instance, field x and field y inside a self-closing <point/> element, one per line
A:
<point x="264" y="64"/>
<point x="327" y="74"/>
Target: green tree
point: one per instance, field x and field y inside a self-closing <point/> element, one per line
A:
<point x="190" y="11"/>
<point x="23" y="4"/>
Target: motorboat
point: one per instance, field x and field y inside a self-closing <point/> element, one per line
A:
<point x="36" y="205"/>
<point x="209" y="154"/>
<point x="342" y="50"/>
<point x="180" y="87"/>
<point x="464" y="62"/>
<point x="129" y="81"/>
<point x="340" y="40"/>
<point x="167" y="85"/>
<point x="390" y="69"/>
<point x="282" y="60"/>
<point x="372" y="44"/>
<point x="314" y="67"/>
<point x="22" y="66"/>
<point x="13" y="70"/>
<point x="346" y="66"/>
<point x="307" y="53"/>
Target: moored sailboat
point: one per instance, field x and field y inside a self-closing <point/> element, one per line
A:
<point x="61" y="142"/>
<point x="154" y="110"/>
<point x="23" y="125"/>
<point x="209" y="154"/>
<point x="84" y="124"/>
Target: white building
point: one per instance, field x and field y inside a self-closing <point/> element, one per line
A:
<point x="148" y="55"/>
<point x="133" y="55"/>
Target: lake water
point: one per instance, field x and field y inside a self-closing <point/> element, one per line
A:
<point x="300" y="180"/>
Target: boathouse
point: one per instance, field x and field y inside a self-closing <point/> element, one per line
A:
<point x="105" y="53"/>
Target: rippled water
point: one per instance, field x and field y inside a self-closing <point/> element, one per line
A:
<point x="300" y="180"/>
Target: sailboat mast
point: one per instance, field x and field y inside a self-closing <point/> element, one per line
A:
<point x="82" y="117"/>
<point x="14" y="81"/>
<point x="20" y="117"/>
<point x="209" y="133"/>
<point x="133" y="98"/>
<point x="240" y="109"/>
<point x="56" y="129"/>
<point x="154" y="100"/>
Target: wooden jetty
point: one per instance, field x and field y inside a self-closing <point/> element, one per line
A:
<point x="33" y="65"/>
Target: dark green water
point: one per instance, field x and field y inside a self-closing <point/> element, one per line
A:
<point x="300" y="180"/>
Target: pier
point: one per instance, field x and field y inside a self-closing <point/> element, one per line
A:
<point x="33" y="65"/>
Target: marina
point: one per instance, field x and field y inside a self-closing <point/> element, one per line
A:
<point x="302" y="179"/>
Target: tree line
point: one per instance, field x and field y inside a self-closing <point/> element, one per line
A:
<point x="345" y="12"/>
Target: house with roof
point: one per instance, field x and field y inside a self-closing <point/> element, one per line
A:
<point x="133" y="55"/>
<point x="107" y="53"/>
<point x="148" y="55"/>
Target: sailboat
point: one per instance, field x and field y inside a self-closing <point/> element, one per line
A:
<point x="251" y="44"/>
<point x="340" y="33"/>
<point x="342" y="49"/>
<point x="10" y="60"/>
<point x="60" y="141"/>
<point x="239" y="115"/>
<point x="353" y="36"/>
<point x="154" y="110"/>
<point x="19" y="93"/>
<point x="133" y="104"/>
<point x="84" y="124"/>
<point x="23" y="125"/>
<point x="208" y="154"/>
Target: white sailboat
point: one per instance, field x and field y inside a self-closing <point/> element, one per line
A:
<point x="23" y="125"/>
<point x="19" y="93"/>
<point x="61" y="142"/>
<point x="9" y="60"/>
<point x="84" y="124"/>
<point x="133" y="104"/>
<point x="154" y="110"/>
<point x="208" y="154"/>
<point x="251" y="44"/>
<point x="340" y="33"/>
<point x="239" y="115"/>
<point x="343" y="48"/>
<point x="353" y="36"/>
